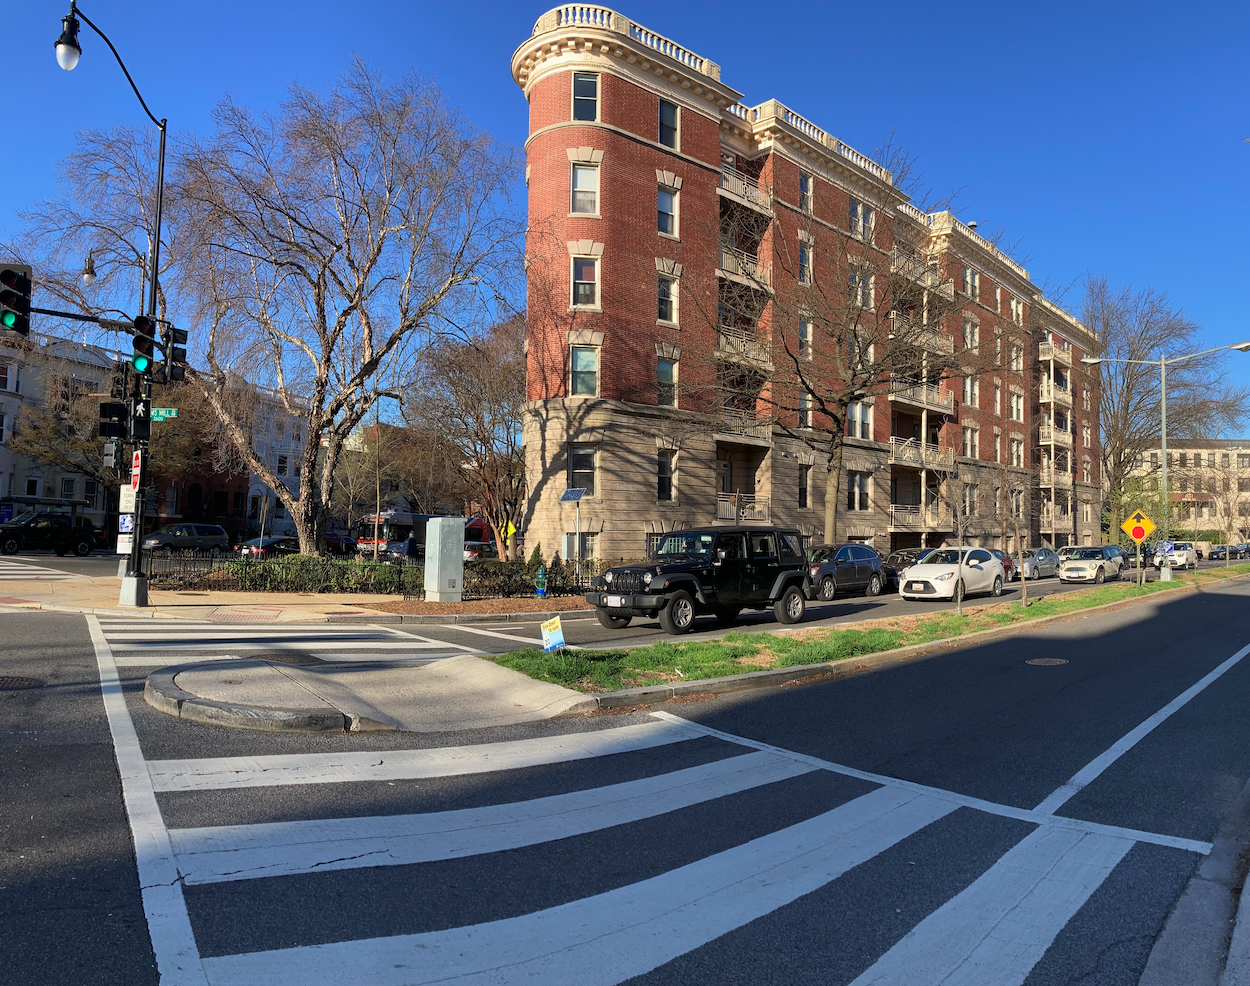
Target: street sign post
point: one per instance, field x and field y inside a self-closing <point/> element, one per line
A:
<point x="574" y="496"/>
<point x="1139" y="527"/>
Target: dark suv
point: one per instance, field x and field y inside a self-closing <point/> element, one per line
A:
<point x="47" y="531"/>
<point x="718" y="570"/>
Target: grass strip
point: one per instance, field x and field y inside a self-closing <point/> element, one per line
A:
<point x="666" y="661"/>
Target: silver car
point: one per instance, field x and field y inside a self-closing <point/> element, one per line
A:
<point x="1092" y="564"/>
<point x="1037" y="563"/>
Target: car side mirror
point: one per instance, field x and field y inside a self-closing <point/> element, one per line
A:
<point x="721" y="555"/>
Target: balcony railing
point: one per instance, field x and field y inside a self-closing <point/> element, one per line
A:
<point x="910" y="452"/>
<point x="1048" y="350"/>
<point x="924" y="394"/>
<point x="1057" y="478"/>
<point x="745" y="187"/>
<point x="741" y="344"/>
<point x="743" y="423"/>
<point x="742" y="507"/>
<point x="912" y="517"/>
<point x="743" y="264"/>
<point x="1055" y="522"/>
<point x="1057" y="395"/>
<point x="920" y="336"/>
<point x="1050" y="435"/>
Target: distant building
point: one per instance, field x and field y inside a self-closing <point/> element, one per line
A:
<point x="1208" y="482"/>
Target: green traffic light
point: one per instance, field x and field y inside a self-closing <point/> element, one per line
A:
<point x="8" y="319"/>
<point x="140" y="363"/>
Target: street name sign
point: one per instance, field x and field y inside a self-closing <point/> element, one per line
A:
<point x="1138" y="526"/>
<point x="164" y="413"/>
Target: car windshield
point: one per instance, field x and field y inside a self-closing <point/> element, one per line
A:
<point x="947" y="556"/>
<point x="25" y="517"/>
<point x="685" y="544"/>
<point x="1086" y="554"/>
<point x="1182" y="546"/>
<point x="817" y="556"/>
<point x="1027" y="554"/>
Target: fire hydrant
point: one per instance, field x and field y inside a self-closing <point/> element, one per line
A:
<point x="540" y="583"/>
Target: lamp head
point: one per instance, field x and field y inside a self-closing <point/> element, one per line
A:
<point x="1091" y="360"/>
<point x="1241" y="347"/>
<point x="68" y="50"/>
<point x="88" y="271"/>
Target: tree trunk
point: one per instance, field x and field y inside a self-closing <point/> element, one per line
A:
<point x="833" y="487"/>
<point x="1024" y="583"/>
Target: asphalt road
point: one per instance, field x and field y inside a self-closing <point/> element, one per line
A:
<point x="898" y="827"/>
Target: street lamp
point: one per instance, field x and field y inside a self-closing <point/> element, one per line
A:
<point x="134" y="591"/>
<point x="1163" y="363"/>
<point x="68" y="51"/>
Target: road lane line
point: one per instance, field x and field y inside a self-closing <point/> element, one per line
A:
<point x="215" y="774"/>
<point x="1090" y="772"/>
<point x="614" y="936"/>
<point x="173" y="942"/>
<point x="967" y="801"/>
<point x="531" y="641"/>
<point x="997" y="929"/>
<point x="242" y="852"/>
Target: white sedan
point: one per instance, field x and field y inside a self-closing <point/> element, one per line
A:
<point x="940" y="574"/>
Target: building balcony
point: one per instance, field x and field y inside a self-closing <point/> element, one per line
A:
<point x="1048" y="351"/>
<point x="1056" y="523"/>
<point x="744" y="267"/>
<point x="745" y="189"/>
<point x="1050" y="394"/>
<point x="920" y="336"/>
<point x="920" y="394"/>
<point x="743" y="427"/>
<point x="911" y="453"/>
<point x="1056" y="479"/>
<point x="743" y="346"/>
<point x="919" y="270"/>
<point x="743" y="508"/>
<point x="1050" y="435"/>
<point x="913" y="517"/>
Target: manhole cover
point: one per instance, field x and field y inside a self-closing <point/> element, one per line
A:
<point x="10" y="682"/>
<point x="282" y="657"/>
<point x="1046" y="662"/>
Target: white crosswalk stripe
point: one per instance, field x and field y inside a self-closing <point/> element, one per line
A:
<point x="12" y="570"/>
<point x="993" y="928"/>
<point x="147" y="643"/>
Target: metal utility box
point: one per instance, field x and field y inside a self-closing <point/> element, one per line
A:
<point x="444" y="559"/>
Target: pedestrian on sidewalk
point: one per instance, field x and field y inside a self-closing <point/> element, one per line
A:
<point x="410" y="547"/>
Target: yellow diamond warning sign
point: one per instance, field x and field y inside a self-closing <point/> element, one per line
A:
<point x="1138" y="526"/>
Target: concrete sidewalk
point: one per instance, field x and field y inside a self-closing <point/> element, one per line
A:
<point x="452" y="693"/>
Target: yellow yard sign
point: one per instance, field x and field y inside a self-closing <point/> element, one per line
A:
<point x="1138" y="526"/>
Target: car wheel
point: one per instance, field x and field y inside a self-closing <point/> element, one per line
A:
<point x="997" y="588"/>
<point x="610" y="621"/>
<point x="828" y="588"/>
<point x="1037" y="573"/>
<point x="10" y="546"/>
<point x="959" y="594"/>
<point x="678" y="616"/>
<point x="82" y="548"/>
<point x="728" y="615"/>
<point x="1099" y="577"/>
<point x="874" y="585"/>
<point x="791" y="606"/>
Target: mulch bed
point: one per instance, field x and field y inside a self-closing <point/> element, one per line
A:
<point x="517" y="604"/>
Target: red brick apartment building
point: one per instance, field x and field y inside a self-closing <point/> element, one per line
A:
<point x="673" y="231"/>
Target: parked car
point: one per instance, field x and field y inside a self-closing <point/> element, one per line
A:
<point x="896" y="561"/>
<point x="1228" y="552"/>
<point x="480" y="550"/>
<point x="188" y="537"/>
<point x="707" y="570"/>
<point x="1008" y="563"/>
<point x="1066" y="551"/>
<point x="834" y="568"/>
<point x="1092" y="564"/>
<point x="1245" y="550"/>
<point x="41" y="530"/>
<point x="1037" y="563"/>
<point x="1177" y="554"/>
<point x="268" y="547"/>
<point x="940" y="575"/>
<point x="339" y="544"/>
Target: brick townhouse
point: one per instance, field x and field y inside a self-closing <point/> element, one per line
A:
<point x="670" y="225"/>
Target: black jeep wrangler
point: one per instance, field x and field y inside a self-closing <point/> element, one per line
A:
<point x="718" y="570"/>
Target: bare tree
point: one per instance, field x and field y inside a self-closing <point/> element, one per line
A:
<point x="1143" y="324"/>
<point x="474" y="392"/>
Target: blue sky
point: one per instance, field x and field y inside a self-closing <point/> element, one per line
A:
<point x="1104" y="137"/>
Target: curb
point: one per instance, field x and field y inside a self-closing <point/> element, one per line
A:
<point x="435" y="618"/>
<point x="772" y="678"/>
<point x="162" y="693"/>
